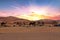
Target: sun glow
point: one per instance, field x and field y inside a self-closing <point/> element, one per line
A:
<point x="35" y="14"/>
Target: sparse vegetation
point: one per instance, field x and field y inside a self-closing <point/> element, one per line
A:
<point x="3" y="24"/>
<point x="12" y="24"/>
<point x="16" y="22"/>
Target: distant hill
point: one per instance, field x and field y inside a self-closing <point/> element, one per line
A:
<point x="11" y="19"/>
<point x="14" y="21"/>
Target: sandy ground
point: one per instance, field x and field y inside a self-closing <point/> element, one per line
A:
<point x="31" y="33"/>
<point x="31" y="36"/>
<point x="29" y="29"/>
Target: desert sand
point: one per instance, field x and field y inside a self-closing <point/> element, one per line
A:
<point x="30" y="33"/>
<point x="31" y="36"/>
<point x="28" y="29"/>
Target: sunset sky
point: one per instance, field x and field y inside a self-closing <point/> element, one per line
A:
<point x="31" y="9"/>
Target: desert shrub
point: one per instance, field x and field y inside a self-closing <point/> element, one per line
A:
<point x="40" y="24"/>
<point x="17" y="23"/>
<point x="32" y="24"/>
<point x="57" y="25"/>
<point x="4" y="24"/>
<point x="54" y="22"/>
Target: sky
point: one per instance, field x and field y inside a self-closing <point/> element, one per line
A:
<point x="29" y="7"/>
